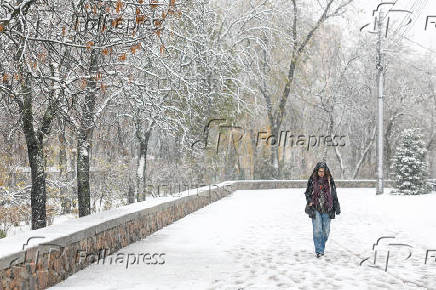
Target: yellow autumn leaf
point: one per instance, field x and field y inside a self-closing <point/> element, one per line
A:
<point x="89" y="44"/>
<point x="117" y="21"/>
<point x="122" y="57"/>
<point x="154" y="3"/>
<point x="140" y="18"/>
<point x="119" y="6"/>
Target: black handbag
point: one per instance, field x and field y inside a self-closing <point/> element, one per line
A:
<point x="309" y="210"/>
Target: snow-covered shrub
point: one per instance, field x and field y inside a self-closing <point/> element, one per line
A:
<point x="409" y="168"/>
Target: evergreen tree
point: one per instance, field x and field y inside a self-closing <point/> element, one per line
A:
<point x="409" y="168"/>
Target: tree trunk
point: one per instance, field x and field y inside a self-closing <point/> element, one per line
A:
<point x="73" y="176"/>
<point x="38" y="192"/>
<point x="83" y="187"/>
<point x="65" y="198"/>
<point x="274" y="163"/>
<point x="35" y="154"/>
<point x="141" y="168"/>
<point x="337" y="152"/>
<point x="364" y="154"/>
<point x="131" y="196"/>
<point x="84" y="140"/>
<point x="142" y="159"/>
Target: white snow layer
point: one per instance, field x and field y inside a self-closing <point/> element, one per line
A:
<point x="263" y="240"/>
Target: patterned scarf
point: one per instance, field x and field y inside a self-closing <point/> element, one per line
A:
<point x="321" y="194"/>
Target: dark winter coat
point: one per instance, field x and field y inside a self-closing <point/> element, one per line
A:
<point x="309" y="191"/>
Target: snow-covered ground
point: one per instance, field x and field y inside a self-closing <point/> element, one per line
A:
<point x="263" y="240"/>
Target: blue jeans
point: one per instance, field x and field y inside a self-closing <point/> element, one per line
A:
<point x="321" y="230"/>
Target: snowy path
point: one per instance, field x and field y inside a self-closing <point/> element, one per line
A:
<point x="263" y="240"/>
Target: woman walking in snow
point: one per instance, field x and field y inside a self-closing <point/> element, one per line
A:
<point x="322" y="198"/>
